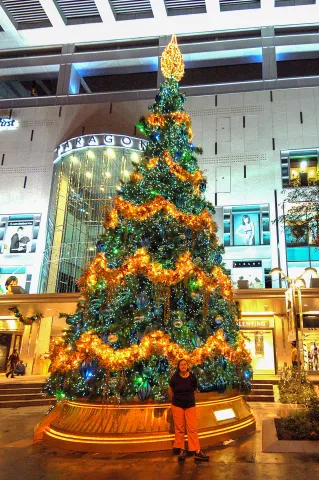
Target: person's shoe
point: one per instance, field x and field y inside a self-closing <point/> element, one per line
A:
<point x="7" y="375"/>
<point x="182" y="455"/>
<point x="201" y="457"/>
<point x="176" y="451"/>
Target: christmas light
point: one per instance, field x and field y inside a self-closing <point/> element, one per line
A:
<point x="157" y="290"/>
<point x="130" y="211"/>
<point x="89" y="346"/>
<point x="172" y="62"/>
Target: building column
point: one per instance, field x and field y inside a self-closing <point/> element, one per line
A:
<point x="28" y="345"/>
<point x="69" y="80"/>
<point x="42" y="346"/>
<point x="269" y="64"/>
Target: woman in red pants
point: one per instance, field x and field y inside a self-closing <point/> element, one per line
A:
<point x="183" y="387"/>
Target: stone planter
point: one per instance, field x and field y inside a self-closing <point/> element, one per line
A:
<point x="271" y="444"/>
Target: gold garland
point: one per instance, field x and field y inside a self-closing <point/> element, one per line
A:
<point x="159" y="119"/>
<point x="195" y="178"/>
<point x="90" y="346"/>
<point x="140" y="263"/>
<point x="142" y="212"/>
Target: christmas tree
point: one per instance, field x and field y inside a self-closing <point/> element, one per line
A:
<point x="156" y="292"/>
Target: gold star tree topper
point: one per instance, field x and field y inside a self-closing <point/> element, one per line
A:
<point x="172" y="62"/>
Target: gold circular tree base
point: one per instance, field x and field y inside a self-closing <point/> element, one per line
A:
<point x="140" y="427"/>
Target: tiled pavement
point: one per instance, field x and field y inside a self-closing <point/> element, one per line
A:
<point x="21" y="460"/>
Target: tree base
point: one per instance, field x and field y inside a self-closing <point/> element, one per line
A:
<point x="88" y="427"/>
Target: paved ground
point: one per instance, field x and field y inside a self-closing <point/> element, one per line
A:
<point x="21" y="460"/>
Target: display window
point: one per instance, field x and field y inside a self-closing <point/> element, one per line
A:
<point x="22" y="273"/>
<point x="19" y="234"/>
<point x="299" y="168"/>
<point x="254" y="277"/>
<point x="246" y="225"/>
<point x="260" y="345"/>
<point x="259" y="341"/>
<point x="311" y="350"/>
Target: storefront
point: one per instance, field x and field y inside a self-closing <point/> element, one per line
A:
<point x="11" y="332"/>
<point x="310" y="337"/>
<point x="260" y="342"/>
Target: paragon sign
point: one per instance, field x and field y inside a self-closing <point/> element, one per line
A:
<point x="100" y="140"/>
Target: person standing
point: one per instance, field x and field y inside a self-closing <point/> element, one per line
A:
<point x="13" y="360"/>
<point x="183" y="387"/>
<point x="294" y="355"/>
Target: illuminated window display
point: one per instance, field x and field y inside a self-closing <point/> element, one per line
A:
<point x="299" y="168"/>
<point x="88" y="172"/>
<point x="246" y="225"/>
<point x="259" y="341"/>
<point x="19" y="233"/>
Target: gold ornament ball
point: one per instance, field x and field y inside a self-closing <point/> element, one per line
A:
<point x="112" y="338"/>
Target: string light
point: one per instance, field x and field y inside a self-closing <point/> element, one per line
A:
<point x="195" y="178"/>
<point x="172" y="62"/>
<point x="141" y="263"/>
<point x="143" y="212"/>
<point x="155" y="292"/>
<point x="90" y="346"/>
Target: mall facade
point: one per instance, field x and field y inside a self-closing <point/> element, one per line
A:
<point x="68" y="140"/>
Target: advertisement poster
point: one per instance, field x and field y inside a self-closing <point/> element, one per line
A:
<point x="246" y="228"/>
<point x="19" y="234"/>
<point x="21" y="274"/>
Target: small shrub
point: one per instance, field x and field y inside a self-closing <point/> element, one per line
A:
<point x="290" y="391"/>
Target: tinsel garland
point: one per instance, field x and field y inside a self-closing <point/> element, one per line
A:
<point x="195" y="178"/>
<point x="159" y="119"/>
<point x="140" y="263"/>
<point x="142" y="212"/>
<point x="90" y="346"/>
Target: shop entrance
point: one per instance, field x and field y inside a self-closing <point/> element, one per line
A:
<point x="260" y="344"/>
<point x="5" y="342"/>
<point x="311" y="350"/>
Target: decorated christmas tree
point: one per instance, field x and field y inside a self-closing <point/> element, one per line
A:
<point x="157" y="291"/>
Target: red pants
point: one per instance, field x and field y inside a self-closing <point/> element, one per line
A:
<point x="181" y="417"/>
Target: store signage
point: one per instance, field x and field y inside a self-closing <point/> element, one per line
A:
<point x="256" y="323"/>
<point x="100" y="140"/>
<point x="11" y="325"/>
<point x="7" y="123"/>
<point x="256" y="263"/>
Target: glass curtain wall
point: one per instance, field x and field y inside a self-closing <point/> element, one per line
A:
<point x="84" y="183"/>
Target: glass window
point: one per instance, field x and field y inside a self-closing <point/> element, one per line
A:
<point x="246" y="225"/>
<point x="299" y="168"/>
<point x="84" y="182"/>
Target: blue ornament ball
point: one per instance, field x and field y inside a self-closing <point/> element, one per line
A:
<point x="144" y="392"/>
<point x="218" y="259"/>
<point x="100" y="246"/>
<point x="142" y="300"/>
<point x="202" y="187"/>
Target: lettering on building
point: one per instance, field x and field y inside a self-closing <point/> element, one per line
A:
<point x="8" y="122"/>
<point x="254" y="323"/>
<point x="100" y="140"/>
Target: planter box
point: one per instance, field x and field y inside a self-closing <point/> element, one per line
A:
<point x="271" y="444"/>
